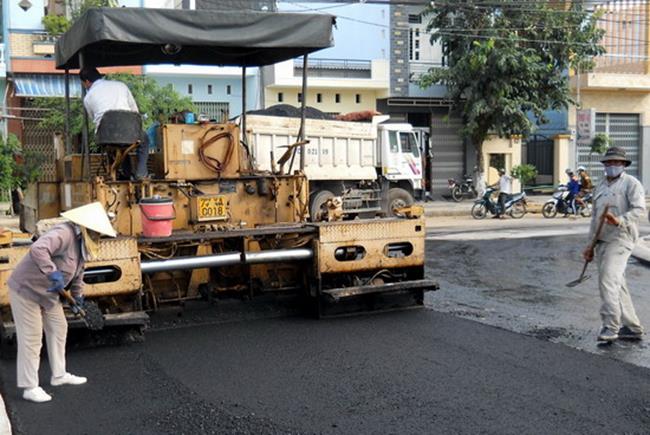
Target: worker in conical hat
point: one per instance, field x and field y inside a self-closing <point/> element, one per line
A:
<point x="55" y="262"/>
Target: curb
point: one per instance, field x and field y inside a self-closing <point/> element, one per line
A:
<point x="5" y="424"/>
<point x="533" y="208"/>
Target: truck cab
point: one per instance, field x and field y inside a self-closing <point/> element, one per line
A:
<point x="399" y="154"/>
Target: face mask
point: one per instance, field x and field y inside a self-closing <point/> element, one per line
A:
<point x="614" y="171"/>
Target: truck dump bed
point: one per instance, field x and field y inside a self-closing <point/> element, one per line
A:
<point x="337" y="150"/>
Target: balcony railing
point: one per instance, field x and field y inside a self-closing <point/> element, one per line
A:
<point x="345" y="68"/>
<point x="420" y="67"/>
<point x="43" y="44"/>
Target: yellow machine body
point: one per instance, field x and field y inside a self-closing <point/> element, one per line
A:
<point x="253" y="224"/>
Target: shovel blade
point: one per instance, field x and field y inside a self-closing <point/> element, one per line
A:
<point x="578" y="281"/>
<point x="93" y="317"/>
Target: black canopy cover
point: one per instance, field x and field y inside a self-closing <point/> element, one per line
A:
<point x="137" y="36"/>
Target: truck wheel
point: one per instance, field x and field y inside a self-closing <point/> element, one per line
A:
<point x="398" y="198"/>
<point x="318" y="208"/>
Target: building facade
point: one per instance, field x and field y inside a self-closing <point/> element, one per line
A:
<point x="350" y="76"/>
<point x="614" y="98"/>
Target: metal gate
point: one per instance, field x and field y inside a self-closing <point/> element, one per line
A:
<point x="448" y="151"/>
<point x="214" y="110"/>
<point x="38" y="143"/>
<point x="539" y="153"/>
<point x="624" y="131"/>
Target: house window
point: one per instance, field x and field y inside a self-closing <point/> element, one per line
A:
<point x="300" y="97"/>
<point x="209" y="89"/>
<point x="280" y="97"/>
<point x="337" y="98"/>
<point x="415" y="19"/>
<point x="319" y="98"/>
<point x="189" y="89"/>
<point x="357" y="98"/>
<point x="228" y="89"/>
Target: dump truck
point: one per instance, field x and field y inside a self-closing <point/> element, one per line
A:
<point x="374" y="167"/>
<point x="235" y="230"/>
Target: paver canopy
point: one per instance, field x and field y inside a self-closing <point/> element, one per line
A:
<point x="138" y="36"/>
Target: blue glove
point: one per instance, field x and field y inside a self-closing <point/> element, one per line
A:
<point x="79" y="299"/>
<point x="56" y="278"/>
<point x="78" y="305"/>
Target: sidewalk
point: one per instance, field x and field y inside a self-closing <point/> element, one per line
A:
<point x="448" y="207"/>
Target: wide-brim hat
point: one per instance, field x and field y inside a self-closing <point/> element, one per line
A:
<point x="93" y="217"/>
<point x="616" y="153"/>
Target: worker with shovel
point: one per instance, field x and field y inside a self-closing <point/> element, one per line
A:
<point x="56" y="261"/>
<point x="619" y="202"/>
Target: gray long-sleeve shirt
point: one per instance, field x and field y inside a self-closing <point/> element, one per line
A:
<point x="626" y="200"/>
<point x="58" y="249"/>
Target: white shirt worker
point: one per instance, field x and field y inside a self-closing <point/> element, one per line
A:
<point x="105" y="95"/>
<point x="505" y="184"/>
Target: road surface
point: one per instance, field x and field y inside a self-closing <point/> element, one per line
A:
<point x="488" y="354"/>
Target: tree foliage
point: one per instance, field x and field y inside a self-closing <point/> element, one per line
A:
<point x="17" y="169"/>
<point x="600" y="143"/>
<point x="524" y="173"/>
<point x="507" y="59"/>
<point x="56" y="25"/>
<point x="151" y="98"/>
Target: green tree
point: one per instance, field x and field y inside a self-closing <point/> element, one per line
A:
<point x="508" y="59"/>
<point x="600" y="143"/>
<point x="151" y="98"/>
<point x="56" y="25"/>
<point x="17" y="168"/>
<point x="524" y="173"/>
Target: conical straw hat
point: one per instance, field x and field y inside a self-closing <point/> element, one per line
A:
<point x="91" y="216"/>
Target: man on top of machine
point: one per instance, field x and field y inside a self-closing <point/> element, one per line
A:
<point x="111" y="95"/>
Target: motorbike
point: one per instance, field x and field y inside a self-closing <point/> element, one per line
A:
<point x="515" y="205"/>
<point x="561" y="204"/>
<point x="461" y="190"/>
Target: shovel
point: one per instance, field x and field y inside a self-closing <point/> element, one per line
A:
<point x="584" y="277"/>
<point x="90" y="312"/>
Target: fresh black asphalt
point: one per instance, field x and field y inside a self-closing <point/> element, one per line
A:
<point x="410" y="372"/>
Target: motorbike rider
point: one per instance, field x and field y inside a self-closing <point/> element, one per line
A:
<point x="586" y="185"/>
<point x="505" y="190"/>
<point x="573" y="187"/>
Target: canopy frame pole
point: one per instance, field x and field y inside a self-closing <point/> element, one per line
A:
<point x="85" y="165"/>
<point x="243" y="104"/>
<point x="303" y="105"/>
<point x="68" y="141"/>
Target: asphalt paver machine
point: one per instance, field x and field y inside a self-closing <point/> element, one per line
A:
<point x="236" y="230"/>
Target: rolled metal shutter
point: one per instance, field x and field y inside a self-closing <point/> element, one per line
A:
<point x="624" y="130"/>
<point x="448" y="152"/>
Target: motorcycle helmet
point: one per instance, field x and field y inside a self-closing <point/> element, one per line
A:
<point x="569" y="171"/>
<point x="581" y="169"/>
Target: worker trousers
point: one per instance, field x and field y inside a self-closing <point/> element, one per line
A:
<point x="617" y="309"/>
<point x="31" y="320"/>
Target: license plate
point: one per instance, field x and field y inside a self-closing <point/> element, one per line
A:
<point x="212" y="208"/>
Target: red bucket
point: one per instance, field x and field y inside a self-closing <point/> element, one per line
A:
<point x="157" y="216"/>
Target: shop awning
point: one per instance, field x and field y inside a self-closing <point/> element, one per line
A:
<point x="41" y="85"/>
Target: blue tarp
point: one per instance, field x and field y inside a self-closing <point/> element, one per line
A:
<point x="41" y="85"/>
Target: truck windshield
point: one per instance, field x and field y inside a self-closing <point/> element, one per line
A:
<point x="409" y="144"/>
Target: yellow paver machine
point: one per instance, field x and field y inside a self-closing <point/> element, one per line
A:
<point x="235" y="230"/>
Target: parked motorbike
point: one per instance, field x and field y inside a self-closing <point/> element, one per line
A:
<point x="462" y="190"/>
<point x="561" y="204"/>
<point x="515" y="205"/>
